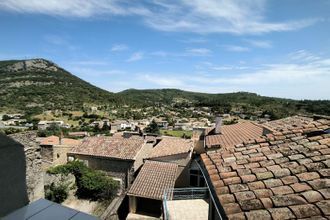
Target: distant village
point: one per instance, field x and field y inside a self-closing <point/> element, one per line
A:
<point x="225" y="166"/>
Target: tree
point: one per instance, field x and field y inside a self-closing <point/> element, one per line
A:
<point x="152" y="128"/>
<point x="6" y="117"/>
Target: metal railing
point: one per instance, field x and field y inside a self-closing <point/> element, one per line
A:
<point x="183" y="194"/>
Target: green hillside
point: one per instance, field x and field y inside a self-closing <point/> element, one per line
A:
<point x="36" y="85"/>
<point x="240" y="101"/>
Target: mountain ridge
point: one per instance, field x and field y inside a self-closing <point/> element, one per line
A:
<point x="39" y="84"/>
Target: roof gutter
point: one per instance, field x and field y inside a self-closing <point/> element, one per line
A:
<point x="217" y="205"/>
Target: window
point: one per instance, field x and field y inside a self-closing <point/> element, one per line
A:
<point x="196" y="178"/>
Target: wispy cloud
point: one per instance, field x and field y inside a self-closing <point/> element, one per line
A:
<point x="198" y="52"/>
<point x="119" y="47"/>
<point x="235" y="48"/>
<point x="163" y="81"/>
<point x="93" y="72"/>
<point x="135" y="57"/>
<point x="209" y="16"/>
<point x="307" y="77"/>
<point x="59" y="40"/>
<point x="260" y="43"/>
<point x="74" y="8"/>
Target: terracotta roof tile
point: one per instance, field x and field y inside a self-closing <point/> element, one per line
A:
<point x="287" y="178"/>
<point x="232" y="135"/>
<point x="171" y="146"/>
<point x="112" y="147"/>
<point x="154" y="178"/>
<point x="51" y="140"/>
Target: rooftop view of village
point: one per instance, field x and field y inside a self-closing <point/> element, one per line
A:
<point x="168" y="110"/>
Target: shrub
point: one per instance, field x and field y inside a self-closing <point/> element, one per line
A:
<point x="56" y="193"/>
<point x="91" y="184"/>
<point x="96" y="185"/>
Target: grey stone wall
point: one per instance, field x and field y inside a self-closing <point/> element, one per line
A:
<point x="34" y="172"/>
<point x="13" y="190"/>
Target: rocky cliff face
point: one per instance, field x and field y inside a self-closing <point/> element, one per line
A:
<point x="32" y="65"/>
<point x="34" y="172"/>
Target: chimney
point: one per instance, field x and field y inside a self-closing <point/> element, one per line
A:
<point x="218" y="123"/>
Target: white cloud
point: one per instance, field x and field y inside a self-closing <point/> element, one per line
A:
<point x="235" y="48"/>
<point x="73" y="8"/>
<point x="291" y="78"/>
<point x="208" y="16"/>
<point x="164" y="81"/>
<point x="260" y="43"/>
<point x="119" y="47"/>
<point x="135" y="57"/>
<point x="198" y="52"/>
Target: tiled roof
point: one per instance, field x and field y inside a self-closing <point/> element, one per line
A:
<point x="171" y="146"/>
<point x="234" y="134"/>
<point x="292" y="123"/>
<point x="70" y="142"/>
<point x="112" y="147"/>
<point x="285" y="175"/>
<point x="154" y="178"/>
<point x="51" y="140"/>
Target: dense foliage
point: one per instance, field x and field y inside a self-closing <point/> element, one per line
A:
<point x="57" y="193"/>
<point x="91" y="184"/>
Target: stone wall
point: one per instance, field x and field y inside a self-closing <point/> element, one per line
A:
<point x="34" y="172"/>
<point x="13" y="190"/>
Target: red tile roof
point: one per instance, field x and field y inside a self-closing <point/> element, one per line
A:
<point x="154" y="178"/>
<point x="292" y="123"/>
<point x="51" y="140"/>
<point x="234" y="134"/>
<point x="171" y="146"/>
<point x="279" y="176"/>
<point x="70" y="142"/>
<point x="112" y="147"/>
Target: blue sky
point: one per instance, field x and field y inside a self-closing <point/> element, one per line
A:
<point x="275" y="48"/>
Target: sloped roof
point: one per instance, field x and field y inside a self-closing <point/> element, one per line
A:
<point x="234" y="134"/>
<point x="171" y="146"/>
<point x="154" y="178"/>
<point x="292" y="123"/>
<point x="70" y="142"/>
<point x="112" y="147"/>
<point x="44" y="209"/>
<point x="51" y="140"/>
<point x="279" y="176"/>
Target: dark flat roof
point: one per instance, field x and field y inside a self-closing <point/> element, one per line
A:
<point x="43" y="209"/>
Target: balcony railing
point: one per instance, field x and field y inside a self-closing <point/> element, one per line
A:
<point x="183" y="194"/>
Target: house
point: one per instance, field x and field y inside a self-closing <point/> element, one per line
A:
<point x="78" y="134"/>
<point x="120" y="125"/>
<point x="43" y="125"/>
<point x="14" y="122"/>
<point x="54" y="150"/>
<point x="161" y="123"/>
<point x="146" y="192"/>
<point x="283" y="174"/>
<point x="118" y="156"/>
<point x="174" y="150"/>
<point x="167" y="166"/>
